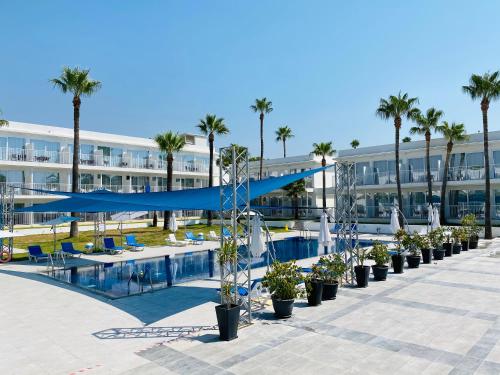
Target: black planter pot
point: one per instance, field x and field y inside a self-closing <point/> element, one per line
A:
<point x="283" y="307"/>
<point x="398" y="262"/>
<point x="413" y="261"/>
<point x="447" y="249"/>
<point x="438" y="254"/>
<point x="228" y="320"/>
<point x="426" y="256"/>
<point x="362" y="275"/>
<point x="314" y="292"/>
<point x="457" y="248"/>
<point x="465" y="245"/>
<point x="473" y="241"/>
<point x="329" y="291"/>
<point x="380" y="272"/>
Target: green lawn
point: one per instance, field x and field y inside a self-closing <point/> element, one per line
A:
<point x="149" y="236"/>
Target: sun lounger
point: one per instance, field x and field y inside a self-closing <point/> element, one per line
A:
<point x="172" y="241"/>
<point x="190" y="237"/>
<point x="68" y="249"/>
<point x="212" y="236"/>
<point x="132" y="243"/>
<point x="255" y="289"/>
<point x="109" y="246"/>
<point x="35" y="252"/>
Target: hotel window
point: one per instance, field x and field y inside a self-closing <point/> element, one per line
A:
<point x="416" y="170"/>
<point x="3" y="148"/>
<point x="190" y="140"/>
<point x="417" y="207"/>
<point x="45" y="151"/>
<point x="86" y="179"/>
<point x="16" y="148"/>
<point x="46" y="180"/>
<point x="496" y="164"/>
<point x="12" y="177"/>
<point x="362" y="173"/>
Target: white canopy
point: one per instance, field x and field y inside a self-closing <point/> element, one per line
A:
<point x="435" y="219"/>
<point x="257" y="245"/>
<point x="394" y="221"/>
<point x="172" y="226"/>
<point x="324" y="238"/>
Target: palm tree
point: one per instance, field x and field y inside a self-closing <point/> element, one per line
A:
<point x="263" y="106"/>
<point x="169" y="143"/>
<point x="282" y="134"/>
<point x="406" y="139"/>
<point x="294" y="191"/>
<point x="486" y="88"/>
<point x="212" y="126"/>
<point x="323" y="149"/>
<point x="425" y="125"/>
<point x="354" y="143"/>
<point x="397" y="107"/>
<point x="3" y="122"/>
<point x="452" y="133"/>
<point x="227" y="157"/>
<point x="77" y="82"/>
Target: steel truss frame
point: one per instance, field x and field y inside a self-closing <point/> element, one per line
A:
<point x="7" y="219"/>
<point x="234" y="186"/>
<point x="99" y="230"/>
<point x="346" y="216"/>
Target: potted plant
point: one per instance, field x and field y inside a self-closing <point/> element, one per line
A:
<point x="411" y="243"/>
<point x="436" y="238"/>
<point x="333" y="267"/>
<point x="362" y="272"/>
<point x="282" y="281"/>
<point x="228" y="312"/>
<point x="398" y="259"/>
<point x="380" y="254"/>
<point x="470" y="222"/>
<point x="314" y="286"/>
<point x="423" y="243"/>
<point x="457" y="233"/>
<point x="447" y="245"/>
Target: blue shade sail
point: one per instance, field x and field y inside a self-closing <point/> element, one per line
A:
<point x="191" y="199"/>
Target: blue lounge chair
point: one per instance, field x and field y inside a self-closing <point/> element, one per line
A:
<point x="68" y="249"/>
<point x="193" y="239"/>
<point x="336" y="228"/>
<point x="109" y="246"/>
<point x="226" y="233"/>
<point x="132" y="242"/>
<point x="35" y="252"/>
<point x="255" y="289"/>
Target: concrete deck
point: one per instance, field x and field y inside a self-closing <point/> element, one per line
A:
<point x="441" y="318"/>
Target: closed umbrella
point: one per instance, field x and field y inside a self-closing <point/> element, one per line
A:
<point x="172" y="226"/>
<point x="324" y="238"/>
<point x="430" y="216"/>
<point x="257" y="246"/>
<point x="59" y="220"/>
<point x="394" y="221"/>
<point x="435" y="219"/>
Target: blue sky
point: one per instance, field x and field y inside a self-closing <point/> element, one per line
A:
<point x="324" y="64"/>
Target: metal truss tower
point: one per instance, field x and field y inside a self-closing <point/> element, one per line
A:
<point x="234" y="188"/>
<point x="346" y="216"/>
<point x="6" y="221"/>
<point x="99" y="230"/>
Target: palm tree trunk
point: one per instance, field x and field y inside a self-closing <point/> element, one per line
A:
<point x="155" y="219"/>
<point x="73" y="232"/>
<point x="170" y="162"/>
<point x="284" y="148"/>
<point x="397" y="125"/>
<point x="487" y="199"/>
<point x="210" y="173"/>
<point x="261" y="145"/>
<point x="428" y="167"/>
<point x="323" y="164"/>
<point x="442" y="212"/>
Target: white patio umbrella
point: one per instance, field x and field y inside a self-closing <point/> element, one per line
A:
<point x="257" y="245"/>
<point x="430" y="216"/>
<point x="435" y="218"/>
<point x="324" y="238"/>
<point x="59" y="220"/>
<point x="394" y="227"/>
<point x="172" y="226"/>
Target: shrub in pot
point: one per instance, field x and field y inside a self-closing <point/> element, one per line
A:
<point x="228" y="312"/>
<point x="413" y="258"/>
<point x="380" y="254"/>
<point x="332" y="269"/>
<point x="436" y="238"/>
<point x="457" y="233"/>
<point x="447" y="245"/>
<point x="470" y="222"/>
<point x="398" y="259"/>
<point x="282" y="281"/>
<point x="362" y="272"/>
<point x="314" y="286"/>
<point x="423" y="243"/>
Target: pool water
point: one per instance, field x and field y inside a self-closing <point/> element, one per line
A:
<point x="123" y="278"/>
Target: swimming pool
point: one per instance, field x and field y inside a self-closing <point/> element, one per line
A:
<point x="124" y="278"/>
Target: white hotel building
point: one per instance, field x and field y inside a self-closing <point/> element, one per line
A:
<point x="376" y="181"/>
<point x="40" y="157"/>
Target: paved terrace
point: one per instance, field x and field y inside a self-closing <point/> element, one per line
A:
<point x="442" y="318"/>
